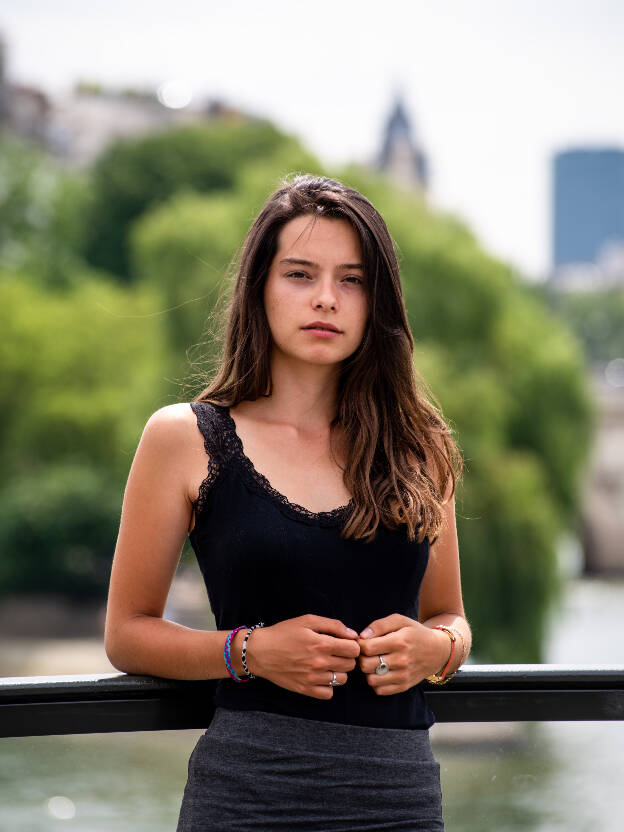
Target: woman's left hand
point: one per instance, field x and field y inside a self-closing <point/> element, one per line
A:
<point x="410" y="649"/>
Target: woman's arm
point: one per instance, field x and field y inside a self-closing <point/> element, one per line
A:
<point x="440" y="593"/>
<point x="154" y="522"/>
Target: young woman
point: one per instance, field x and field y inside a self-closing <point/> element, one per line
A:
<point x="316" y="483"/>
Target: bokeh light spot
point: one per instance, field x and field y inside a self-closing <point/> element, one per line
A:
<point x="61" y="807"/>
<point x="174" y="94"/>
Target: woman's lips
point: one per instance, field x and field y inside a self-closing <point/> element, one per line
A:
<point x="322" y="333"/>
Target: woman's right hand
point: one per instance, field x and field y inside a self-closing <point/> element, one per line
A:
<point x="301" y="654"/>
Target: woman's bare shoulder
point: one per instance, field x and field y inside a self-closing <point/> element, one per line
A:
<point x="172" y="427"/>
<point x="180" y="412"/>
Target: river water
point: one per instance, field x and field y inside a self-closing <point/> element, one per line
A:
<point x="542" y="777"/>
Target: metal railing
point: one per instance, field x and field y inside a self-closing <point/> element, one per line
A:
<point x="109" y="702"/>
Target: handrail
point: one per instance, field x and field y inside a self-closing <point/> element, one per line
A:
<point x="109" y="702"/>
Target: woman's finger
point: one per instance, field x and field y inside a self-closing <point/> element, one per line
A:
<point x="318" y="686"/>
<point x="324" y="677"/>
<point x="368" y="664"/>
<point x="390" y="680"/>
<point x="343" y="665"/>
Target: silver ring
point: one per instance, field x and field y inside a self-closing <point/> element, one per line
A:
<point x="382" y="668"/>
<point x="334" y="683"/>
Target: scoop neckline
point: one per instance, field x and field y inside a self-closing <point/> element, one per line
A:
<point x="262" y="480"/>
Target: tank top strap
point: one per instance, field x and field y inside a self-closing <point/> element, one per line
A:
<point x="213" y="426"/>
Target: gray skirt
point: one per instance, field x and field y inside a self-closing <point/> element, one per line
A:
<point x="254" y="770"/>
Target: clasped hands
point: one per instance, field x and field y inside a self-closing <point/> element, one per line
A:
<point x="411" y="650"/>
<point x="301" y="654"/>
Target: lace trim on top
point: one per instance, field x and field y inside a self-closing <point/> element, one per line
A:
<point x="223" y="444"/>
<point x="209" y="429"/>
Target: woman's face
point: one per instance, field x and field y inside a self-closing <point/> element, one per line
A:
<point x="317" y="275"/>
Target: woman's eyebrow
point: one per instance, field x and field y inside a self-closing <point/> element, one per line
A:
<point x="297" y="262"/>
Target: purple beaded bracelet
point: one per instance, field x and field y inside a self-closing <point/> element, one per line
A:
<point x="227" y="655"/>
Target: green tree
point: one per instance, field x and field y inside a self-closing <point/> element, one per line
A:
<point x="57" y="530"/>
<point x="184" y="248"/>
<point x="134" y="174"/>
<point x="81" y="372"/>
<point x="41" y="214"/>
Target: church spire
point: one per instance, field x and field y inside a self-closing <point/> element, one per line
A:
<point x="401" y="158"/>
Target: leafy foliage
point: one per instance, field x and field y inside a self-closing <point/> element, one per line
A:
<point x="41" y="214"/>
<point x="133" y="175"/>
<point x="56" y="528"/>
<point x="80" y="371"/>
<point x="80" y="374"/>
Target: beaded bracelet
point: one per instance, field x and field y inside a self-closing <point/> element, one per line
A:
<point x="250" y="675"/>
<point x="227" y="656"/>
<point x="441" y="678"/>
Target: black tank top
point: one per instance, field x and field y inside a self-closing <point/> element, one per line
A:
<point x="266" y="559"/>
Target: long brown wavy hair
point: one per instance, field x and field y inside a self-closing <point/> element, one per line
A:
<point x="395" y="435"/>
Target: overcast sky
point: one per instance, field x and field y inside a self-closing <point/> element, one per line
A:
<point x="493" y="87"/>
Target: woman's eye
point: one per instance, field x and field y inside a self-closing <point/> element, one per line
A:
<point x="354" y="279"/>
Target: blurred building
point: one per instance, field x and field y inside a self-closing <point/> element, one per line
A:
<point x="82" y="124"/>
<point x="588" y="219"/>
<point x="401" y="158"/>
<point x="76" y="127"/>
<point x="588" y="255"/>
<point x="23" y="109"/>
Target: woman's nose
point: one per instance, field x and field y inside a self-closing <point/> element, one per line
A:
<point x="325" y="295"/>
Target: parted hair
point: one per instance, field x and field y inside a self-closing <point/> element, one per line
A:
<point x="401" y="455"/>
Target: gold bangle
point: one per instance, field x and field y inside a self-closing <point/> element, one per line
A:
<point x="441" y="678"/>
<point x="463" y="657"/>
